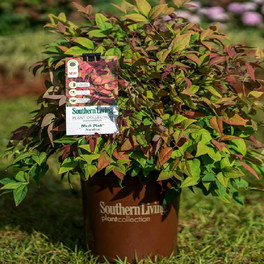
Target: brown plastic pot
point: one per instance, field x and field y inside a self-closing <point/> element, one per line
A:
<point x="129" y="221"/>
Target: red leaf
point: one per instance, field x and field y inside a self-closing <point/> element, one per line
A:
<point x="251" y="72"/>
<point x="188" y="81"/>
<point x="248" y="168"/>
<point x="61" y="28"/>
<point x="236" y="84"/>
<point x="238" y="156"/>
<point x="120" y="155"/>
<point x="230" y="51"/>
<point x="119" y="174"/>
<point x="88" y="10"/>
<point x="235" y="120"/>
<point x="103" y="161"/>
<point x="219" y="145"/>
<point x="92" y="142"/>
<point x="218" y="60"/>
<point x="188" y="92"/>
<point x="207" y="44"/>
<point x="126" y="146"/>
<point x="217" y="124"/>
<point x="255" y="141"/>
<point x="194" y="58"/>
<point x="164" y="156"/>
<point x="61" y="127"/>
<point x="19" y="133"/>
<point x="228" y="137"/>
<point x="66" y="151"/>
<point x="193" y="114"/>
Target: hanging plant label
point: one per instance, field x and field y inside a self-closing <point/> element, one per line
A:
<point x="92" y="93"/>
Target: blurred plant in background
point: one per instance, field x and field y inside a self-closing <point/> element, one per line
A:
<point x="21" y="15"/>
<point x="238" y="13"/>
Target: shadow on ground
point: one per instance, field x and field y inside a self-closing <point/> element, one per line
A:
<point x="50" y="209"/>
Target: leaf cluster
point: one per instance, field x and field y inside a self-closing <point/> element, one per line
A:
<point x="187" y="100"/>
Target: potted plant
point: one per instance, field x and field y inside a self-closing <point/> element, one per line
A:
<point x="187" y="99"/>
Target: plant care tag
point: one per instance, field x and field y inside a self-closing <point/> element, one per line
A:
<point x="92" y="93"/>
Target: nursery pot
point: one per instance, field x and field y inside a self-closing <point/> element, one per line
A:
<point x="129" y="221"/>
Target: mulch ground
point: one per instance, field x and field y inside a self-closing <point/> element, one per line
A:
<point x="20" y="86"/>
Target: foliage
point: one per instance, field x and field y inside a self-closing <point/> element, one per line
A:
<point x="187" y="97"/>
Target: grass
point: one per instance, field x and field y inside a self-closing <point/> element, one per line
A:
<point x="20" y="51"/>
<point x="47" y="227"/>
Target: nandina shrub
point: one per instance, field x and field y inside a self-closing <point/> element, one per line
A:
<point x="187" y="98"/>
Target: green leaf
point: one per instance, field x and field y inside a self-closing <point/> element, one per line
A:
<point x="37" y="172"/>
<point x="22" y="156"/>
<point x="221" y="189"/>
<point x="176" y="119"/>
<point x="165" y="175"/>
<point x="225" y="162"/>
<point x="163" y="54"/>
<point x="186" y="123"/>
<point x="216" y="156"/>
<point x="102" y="22"/>
<point x="139" y="157"/>
<point x="255" y="94"/>
<point x="122" y="161"/>
<point x="136" y="18"/>
<point x="238" y="145"/>
<point x="89" y="170"/>
<point x="92" y="170"/>
<point x="209" y="177"/>
<point x="40" y="158"/>
<point x="157" y="10"/>
<point x="11" y="186"/>
<point x="230" y="172"/>
<point x="143" y="7"/>
<point x="114" y="52"/>
<point x="202" y="149"/>
<point x="180" y="3"/>
<point x="20" y="193"/>
<point x="6" y="181"/>
<point x="171" y="195"/>
<point x="141" y="139"/>
<point x="68" y="164"/>
<point x="21" y="176"/>
<point x="76" y="51"/>
<point x="223" y="180"/>
<point x="88" y="157"/>
<point x="190" y="181"/>
<point x="181" y="42"/>
<point x="109" y="169"/>
<point x="120" y="168"/>
<point x="66" y="140"/>
<point x="97" y="33"/>
<point x="85" y="42"/>
<point x="194" y="166"/>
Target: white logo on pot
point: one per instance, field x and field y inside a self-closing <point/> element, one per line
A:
<point x="111" y="213"/>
